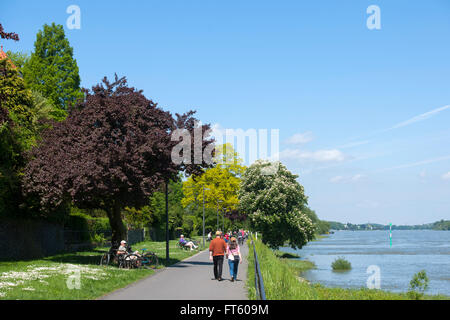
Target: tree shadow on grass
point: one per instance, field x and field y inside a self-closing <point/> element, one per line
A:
<point x="286" y="255"/>
<point x="76" y="258"/>
<point x="86" y="259"/>
<point x="92" y="257"/>
<point x="87" y="255"/>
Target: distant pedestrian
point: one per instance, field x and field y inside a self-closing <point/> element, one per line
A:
<point x="217" y="250"/>
<point x="240" y="237"/>
<point x="234" y="257"/>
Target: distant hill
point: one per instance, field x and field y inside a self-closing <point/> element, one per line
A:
<point x="438" y="225"/>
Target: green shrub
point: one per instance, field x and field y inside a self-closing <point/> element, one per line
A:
<point x="98" y="225"/>
<point x="340" y="264"/>
<point x="99" y="240"/>
<point x="418" y="285"/>
<point x="78" y="222"/>
<point x="89" y="228"/>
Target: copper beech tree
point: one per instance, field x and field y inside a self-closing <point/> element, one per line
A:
<point x="113" y="151"/>
<point x="8" y="35"/>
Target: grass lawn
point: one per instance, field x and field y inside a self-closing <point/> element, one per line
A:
<point x="52" y="278"/>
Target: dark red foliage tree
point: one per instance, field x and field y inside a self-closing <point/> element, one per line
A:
<point x="3" y="115"/>
<point x="7" y="36"/>
<point x="112" y="151"/>
<point x="236" y="215"/>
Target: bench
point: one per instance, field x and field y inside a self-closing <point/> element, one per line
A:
<point x="181" y="246"/>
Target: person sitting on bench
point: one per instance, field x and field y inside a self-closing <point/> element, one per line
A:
<point x="124" y="249"/>
<point x="186" y="243"/>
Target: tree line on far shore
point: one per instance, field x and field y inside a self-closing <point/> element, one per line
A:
<point x="438" y="225"/>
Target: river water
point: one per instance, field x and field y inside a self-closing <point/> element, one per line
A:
<point x="411" y="251"/>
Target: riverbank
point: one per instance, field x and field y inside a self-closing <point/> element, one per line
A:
<point x="282" y="281"/>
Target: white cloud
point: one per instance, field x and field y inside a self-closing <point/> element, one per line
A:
<point x="420" y="117"/>
<point x="423" y="174"/>
<point x="336" y="179"/>
<point x="332" y="155"/>
<point x="446" y="176"/>
<point x="414" y="164"/>
<point x="300" y="138"/>
<point x="357" y="177"/>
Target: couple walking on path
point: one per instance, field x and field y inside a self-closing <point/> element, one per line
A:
<point x="219" y="249"/>
<point x="187" y="280"/>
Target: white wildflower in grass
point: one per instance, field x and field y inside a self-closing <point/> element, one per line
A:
<point x="29" y="289"/>
<point x="7" y="285"/>
<point x="37" y="273"/>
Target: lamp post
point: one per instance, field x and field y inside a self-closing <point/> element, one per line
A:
<point x="204" y="215"/>
<point x="204" y="188"/>
<point x="218" y="201"/>
<point x="167" y="222"/>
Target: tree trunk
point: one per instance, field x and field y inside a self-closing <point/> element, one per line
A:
<point x="119" y="232"/>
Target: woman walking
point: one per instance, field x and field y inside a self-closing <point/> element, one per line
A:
<point x="234" y="257"/>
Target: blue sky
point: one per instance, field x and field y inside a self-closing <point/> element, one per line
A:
<point x="362" y="113"/>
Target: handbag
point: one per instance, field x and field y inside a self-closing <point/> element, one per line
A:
<point x="230" y="257"/>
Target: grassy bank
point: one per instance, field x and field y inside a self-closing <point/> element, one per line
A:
<point x="282" y="281"/>
<point x="47" y="278"/>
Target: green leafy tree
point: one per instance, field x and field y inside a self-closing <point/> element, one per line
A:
<point x="52" y="70"/>
<point x="16" y="135"/>
<point x="188" y="221"/>
<point x="15" y="129"/>
<point x="22" y="116"/>
<point x="155" y="212"/>
<point x="44" y="110"/>
<point x="10" y="161"/>
<point x="441" y="225"/>
<point x="320" y="226"/>
<point x="221" y="182"/>
<point x="273" y="203"/>
<point x="193" y="221"/>
<point x="18" y="101"/>
<point x="18" y="58"/>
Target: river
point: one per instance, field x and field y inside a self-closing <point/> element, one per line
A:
<point x="411" y="251"/>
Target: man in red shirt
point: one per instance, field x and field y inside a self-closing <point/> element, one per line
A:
<point x="217" y="250"/>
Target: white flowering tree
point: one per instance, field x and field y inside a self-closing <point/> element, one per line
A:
<point x="273" y="203"/>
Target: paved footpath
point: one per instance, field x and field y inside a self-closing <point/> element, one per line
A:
<point x="190" y="279"/>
